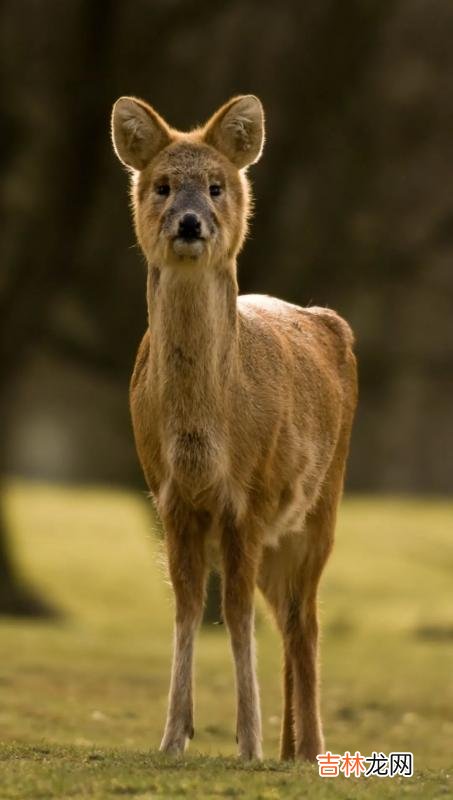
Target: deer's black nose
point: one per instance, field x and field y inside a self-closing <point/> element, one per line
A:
<point x="189" y="227"/>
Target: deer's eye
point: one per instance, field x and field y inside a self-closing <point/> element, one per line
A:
<point x="163" y="189"/>
<point x="215" y="189"/>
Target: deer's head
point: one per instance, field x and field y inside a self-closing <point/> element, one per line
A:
<point x="189" y="190"/>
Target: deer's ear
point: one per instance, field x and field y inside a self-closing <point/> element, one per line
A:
<point x="237" y="130"/>
<point x="138" y="132"/>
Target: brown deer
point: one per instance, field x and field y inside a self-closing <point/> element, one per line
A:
<point x="242" y="410"/>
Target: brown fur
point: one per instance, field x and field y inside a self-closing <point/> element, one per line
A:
<point x="242" y="409"/>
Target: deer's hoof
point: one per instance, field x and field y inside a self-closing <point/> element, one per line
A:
<point x="173" y="745"/>
<point x="250" y="751"/>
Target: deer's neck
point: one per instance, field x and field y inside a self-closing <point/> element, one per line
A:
<point x="193" y="324"/>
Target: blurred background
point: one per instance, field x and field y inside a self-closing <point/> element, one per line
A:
<point x="354" y="210"/>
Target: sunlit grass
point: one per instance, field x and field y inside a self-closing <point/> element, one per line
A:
<point x="83" y="701"/>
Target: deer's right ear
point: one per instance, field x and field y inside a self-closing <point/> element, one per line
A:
<point x="138" y="132"/>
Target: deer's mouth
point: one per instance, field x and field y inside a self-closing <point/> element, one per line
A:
<point x="188" y="247"/>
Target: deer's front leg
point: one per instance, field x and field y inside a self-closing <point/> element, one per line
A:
<point x="240" y="563"/>
<point x="186" y="559"/>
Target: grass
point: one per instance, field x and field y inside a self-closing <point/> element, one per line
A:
<point x="83" y="701"/>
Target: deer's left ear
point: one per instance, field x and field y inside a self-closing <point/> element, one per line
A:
<point x="237" y="130"/>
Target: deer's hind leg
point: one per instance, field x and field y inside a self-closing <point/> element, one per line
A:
<point x="289" y="579"/>
<point x="302" y="631"/>
<point x="302" y="641"/>
<point x="275" y="581"/>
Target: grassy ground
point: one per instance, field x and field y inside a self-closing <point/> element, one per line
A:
<point x="83" y="701"/>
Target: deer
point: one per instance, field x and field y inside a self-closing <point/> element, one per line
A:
<point x="242" y="407"/>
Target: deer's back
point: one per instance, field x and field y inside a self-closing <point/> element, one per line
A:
<point x="297" y="364"/>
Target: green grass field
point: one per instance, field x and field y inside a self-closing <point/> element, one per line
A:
<point x="83" y="700"/>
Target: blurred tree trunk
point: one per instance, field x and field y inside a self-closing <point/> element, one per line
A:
<point x="17" y="597"/>
<point x="50" y="129"/>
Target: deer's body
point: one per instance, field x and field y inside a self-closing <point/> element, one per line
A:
<point x="242" y="409"/>
<point x="235" y="424"/>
